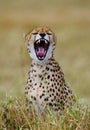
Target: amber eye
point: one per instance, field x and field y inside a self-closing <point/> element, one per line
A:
<point x="49" y="33"/>
<point x="35" y="33"/>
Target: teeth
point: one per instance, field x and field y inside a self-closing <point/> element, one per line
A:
<point x="39" y="41"/>
<point x="40" y="57"/>
<point x="45" y="41"/>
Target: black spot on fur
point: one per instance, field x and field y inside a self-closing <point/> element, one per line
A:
<point x="48" y="76"/>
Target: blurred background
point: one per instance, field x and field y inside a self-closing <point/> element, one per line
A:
<point x="70" y="20"/>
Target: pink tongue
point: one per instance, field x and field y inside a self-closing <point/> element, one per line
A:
<point x="41" y="51"/>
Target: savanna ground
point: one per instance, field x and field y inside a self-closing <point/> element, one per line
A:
<point x="70" y="20"/>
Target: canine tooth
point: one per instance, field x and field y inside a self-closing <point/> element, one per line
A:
<point x="45" y="41"/>
<point x="37" y="42"/>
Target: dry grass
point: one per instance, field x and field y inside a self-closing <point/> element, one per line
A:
<point x="16" y="115"/>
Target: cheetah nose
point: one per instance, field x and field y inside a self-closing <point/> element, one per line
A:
<point x="42" y="35"/>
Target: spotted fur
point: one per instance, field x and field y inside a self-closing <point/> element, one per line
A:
<point x="46" y="85"/>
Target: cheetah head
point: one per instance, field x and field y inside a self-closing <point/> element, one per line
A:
<point x="40" y="43"/>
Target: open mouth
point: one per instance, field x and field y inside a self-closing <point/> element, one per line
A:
<point x="41" y="47"/>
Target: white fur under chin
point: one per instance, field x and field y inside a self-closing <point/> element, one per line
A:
<point x="33" y="54"/>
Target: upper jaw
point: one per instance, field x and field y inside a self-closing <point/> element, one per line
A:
<point x="41" y="47"/>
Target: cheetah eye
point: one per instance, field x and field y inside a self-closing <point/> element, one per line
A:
<point x="49" y="33"/>
<point x="35" y="33"/>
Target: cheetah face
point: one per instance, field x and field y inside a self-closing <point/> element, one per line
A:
<point x="40" y="44"/>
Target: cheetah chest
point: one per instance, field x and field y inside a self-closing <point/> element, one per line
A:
<point x="45" y="83"/>
<point x="40" y="83"/>
<point x="46" y="86"/>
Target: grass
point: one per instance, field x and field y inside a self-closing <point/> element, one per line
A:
<point x="16" y="115"/>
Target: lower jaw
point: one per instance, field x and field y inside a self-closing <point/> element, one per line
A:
<point x="41" y="58"/>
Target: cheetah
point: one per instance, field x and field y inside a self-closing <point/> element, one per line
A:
<point x="46" y="85"/>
